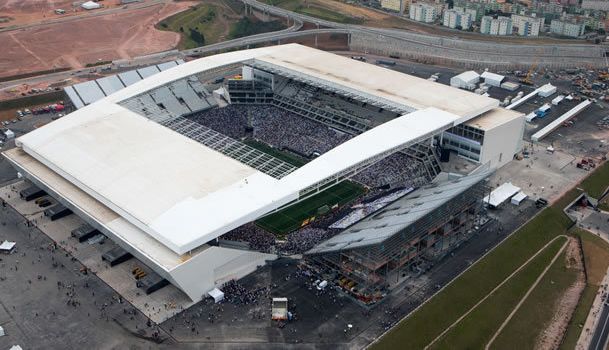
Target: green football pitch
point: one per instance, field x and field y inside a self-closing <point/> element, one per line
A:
<point x="291" y="218"/>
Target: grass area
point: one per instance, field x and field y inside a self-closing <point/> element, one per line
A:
<point x="33" y="100"/>
<point x="215" y="21"/>
<point x="198" y="26"/>
<point x="428" y="322"/>
<point x="470" y="333"/>
<point x="421" y="327"/>
<point x="290" y="219"/>
<point x="538" y="309"/>
<point x="596" y="260"/>
<point x="328" y="15"/>
<point x="98" y="63"/>
<point x="315" y="10"/>
<point x="596" y="256"/>
<point x="595" y="185"/>
<point x="247" y="26"/>
<point x="285" y="156"/>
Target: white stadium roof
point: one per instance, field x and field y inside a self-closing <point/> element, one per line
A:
<point x="184" y="194"/>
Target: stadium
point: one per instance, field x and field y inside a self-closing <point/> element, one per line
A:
<point x="301" y="153"/>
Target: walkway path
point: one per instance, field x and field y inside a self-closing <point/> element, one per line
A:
<point x="498" y="287"/>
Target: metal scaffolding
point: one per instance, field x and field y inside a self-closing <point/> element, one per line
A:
<point x="367" y="272"/>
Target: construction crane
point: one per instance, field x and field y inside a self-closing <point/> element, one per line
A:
<point x="527" y="80"/>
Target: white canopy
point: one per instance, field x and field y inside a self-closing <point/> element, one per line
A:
<point x="7" y="246"/>
<point x="501" y="194"/>
<point x="217" y="294"/>
<point x="90" y="5"/>
<point x="518" y="198"/>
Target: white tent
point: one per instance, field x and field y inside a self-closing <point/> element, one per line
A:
<point x="547" y="90"/>
<point x="90" y="5"/>
<point x="7" y="246"/>
<point x="9" y="134"/>
<point x="465" y="80"/>
<point x="492" y="79"/>
<point x="518" y="198"/>
<point x="217" y="294"/>
<point x="501" y="194"/>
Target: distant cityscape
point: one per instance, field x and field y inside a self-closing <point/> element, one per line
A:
<point x="562" y="18"/>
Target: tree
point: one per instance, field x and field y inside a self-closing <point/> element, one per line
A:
<point x="197" y="36"/>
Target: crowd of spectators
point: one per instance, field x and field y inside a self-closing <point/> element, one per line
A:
<point x="236" y="293"/>
<point x="258" y="239"/>
<point x="302" y="240"/>
<point x="362" y="210"/>
<point x="230" y="120"/>
<point x="272" y="125"/>
<point x="288" y="130"/>
<point x="396" y="169"/>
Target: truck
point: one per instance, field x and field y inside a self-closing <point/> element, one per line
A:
<point x="558" y="99"/>
<point x="543" y="110"/>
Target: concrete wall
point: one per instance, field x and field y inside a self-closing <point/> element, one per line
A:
<point x="477" y="54"/>
<point x="214" y="267"/>
<point x="501" y="143"/>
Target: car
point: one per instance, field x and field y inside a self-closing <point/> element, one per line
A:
<point x="44" y="203"/>
<point x="14" y="121"/>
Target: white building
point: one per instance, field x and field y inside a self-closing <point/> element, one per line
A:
<point x="492" y="79"/>
<point x="171" y="206"/>
<point x="466" y="80"/>
<point x="485" y="139"/>
<point x="422" y="12"/>
<point x="565" y="28"/>
<point x="454" y="19"/>
<point x="527" y="25"/>
<point x="496" y="26"/>
<point x="393" y="5"/>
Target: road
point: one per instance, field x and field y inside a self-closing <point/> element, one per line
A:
<point x="599" y="339"/>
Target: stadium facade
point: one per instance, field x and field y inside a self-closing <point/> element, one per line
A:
<point x="134" y="166"/>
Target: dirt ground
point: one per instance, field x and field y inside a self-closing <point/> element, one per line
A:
<point x="23" y="12"/>
<point x="123" y="34"/>
<point x="328" y="42"/>
<point x="551" y="337"/>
